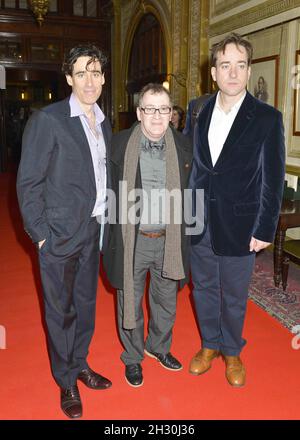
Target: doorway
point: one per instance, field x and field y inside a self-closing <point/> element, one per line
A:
<point x="26" y="91"/>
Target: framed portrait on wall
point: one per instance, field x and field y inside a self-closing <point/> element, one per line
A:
<point x="263" y="82"/>
<point x="296" y="119"/>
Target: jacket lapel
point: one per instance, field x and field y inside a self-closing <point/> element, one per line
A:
<point x="184" y="155"/>
<point x="78" y="133"/>
<point x="106" y="130"/>
<point x="201" y="131"/>
<point x="239" y="126"/>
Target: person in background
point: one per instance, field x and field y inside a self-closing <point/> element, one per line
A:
<point x="177" y="118"/>
<point x="194" y="108"/>
<point x="239" y="162"/>
<point x="61" y="189"/>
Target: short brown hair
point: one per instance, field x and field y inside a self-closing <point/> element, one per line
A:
<point x="234" y="38"/>
<point x="155" y="89"/>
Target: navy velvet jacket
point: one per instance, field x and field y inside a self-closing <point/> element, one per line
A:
<point x="243" y="191"/>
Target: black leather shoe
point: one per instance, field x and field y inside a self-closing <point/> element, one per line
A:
<point x="70" y="402"/>
<point x="133" y="375"/>
<point x="166" y="360"/>
<point x="94" y="380"/>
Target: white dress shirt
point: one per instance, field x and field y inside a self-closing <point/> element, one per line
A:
<point x="98" y="151"/>
<point x="220" y="126"/>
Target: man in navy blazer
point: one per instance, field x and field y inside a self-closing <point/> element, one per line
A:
<point x="61" y="188"/>
<point x="239" y="162"/>
<point x="194" y="108"/>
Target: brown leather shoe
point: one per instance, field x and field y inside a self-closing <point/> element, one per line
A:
<point x="235" y="371"/>
<point x="70" y="402"/>
<point x="201" y="362"/>
<point x="94" y="380"/>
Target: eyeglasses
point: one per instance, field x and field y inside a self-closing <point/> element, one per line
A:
<point x="164" y="110"/>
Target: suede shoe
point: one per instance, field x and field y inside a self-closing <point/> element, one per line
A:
<point x="202" y="361"/>
<point x="235" y="371"/>
<point x="94" y="380"/>
<point x="133" y="375"/>
<point x="70" y="402"/>
<point x="166" y="360"/>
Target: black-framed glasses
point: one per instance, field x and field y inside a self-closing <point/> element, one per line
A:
<point x="163" y="110"/>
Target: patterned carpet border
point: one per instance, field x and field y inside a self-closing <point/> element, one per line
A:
<point x="283" y="306"/>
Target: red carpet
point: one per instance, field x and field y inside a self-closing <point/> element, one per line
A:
<point x="27" y="390"/>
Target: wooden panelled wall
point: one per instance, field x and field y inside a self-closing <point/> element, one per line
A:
<point x="28" y="49"/>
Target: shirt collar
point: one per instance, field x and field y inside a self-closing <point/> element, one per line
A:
<point x="148" y="144"/>
<point x="235" y="108"/>
<point x="76" y="110"/>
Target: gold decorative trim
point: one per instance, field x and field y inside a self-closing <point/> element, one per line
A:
<point x="252" y="15"/>
<point x="176" y="46"/>
<point x="225" y="6"/>
<point x="292" y="169"/>
<point x="195" y="28"/>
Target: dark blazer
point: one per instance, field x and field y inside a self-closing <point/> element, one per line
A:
<point x="243" y="191"/>
<point x="114" y="256"/>
<point x="194" y="109"/>
<point x="56" y="184"/>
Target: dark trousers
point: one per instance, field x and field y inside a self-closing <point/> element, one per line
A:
<point x="69" y="287"/>
<point x="220" y="296"/>
<point x="149" y="256"/>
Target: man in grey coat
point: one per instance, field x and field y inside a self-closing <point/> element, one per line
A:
<point x="154" y="158"/>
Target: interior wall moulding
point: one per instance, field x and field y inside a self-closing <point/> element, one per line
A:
<point x="268" y="9"/>
<point x="219" y="7"/>
<point x="292" y="169"/>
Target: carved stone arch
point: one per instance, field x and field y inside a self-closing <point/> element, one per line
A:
<point x="160" y="10"/>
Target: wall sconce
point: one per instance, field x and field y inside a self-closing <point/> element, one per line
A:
<point x="49" y="95"/>
<point x="39" y="8"/>
<point x="23" y="95"/>
<point x="166" y="85"/>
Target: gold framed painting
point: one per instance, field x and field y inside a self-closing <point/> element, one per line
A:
<point x="296" y="86"/>
<point x="263" y="82"/>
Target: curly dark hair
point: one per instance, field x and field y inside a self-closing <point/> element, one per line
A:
<point x="83" y="50"/>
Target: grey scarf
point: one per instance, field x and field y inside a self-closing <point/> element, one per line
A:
<point x="173" y="265"/>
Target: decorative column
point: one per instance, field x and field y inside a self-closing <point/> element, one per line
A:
<point x="198" y="69"/>
<point x="180" y="19"/>
<point x="116" y="67"/>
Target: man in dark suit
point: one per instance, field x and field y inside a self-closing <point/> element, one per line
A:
<point x="150" y="161"/>
<point x="239" y="162"/>
<point x="61" y="188"/>
<point x="194" y="109"/>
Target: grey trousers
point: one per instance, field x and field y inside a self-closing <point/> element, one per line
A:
<point x="149" y="254"/>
